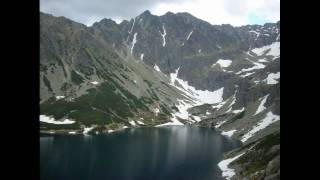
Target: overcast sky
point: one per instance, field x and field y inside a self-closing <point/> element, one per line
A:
<point x="234" y="12"/>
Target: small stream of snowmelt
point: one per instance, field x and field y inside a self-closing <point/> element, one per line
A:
<point x="163" y="36"/>
<point x="189" y="35"/>
<point x="133" y="41"/>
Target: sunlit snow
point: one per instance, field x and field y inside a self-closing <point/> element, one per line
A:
<point x="269" y="119"/>
<point x="226" y="171"/>
<point x="60" y="97"/>
<point x="140" y="122"/>
<point x="189" y="35"/>
<point x="228" y="133"/>
<point x="51" y="120"/>
<point x="201" y="96"/>
<point x="272" y="78"/>
<point x="196" y="97"/>
<point x="133" y="123"/>
<point x="261" y="106"/>
<point x="94" y="82"/>
<point x="256" y="66"/>
<point x="133" y="41"/>
<point x="87" y="129"/>
<point x="274" y="50"/>
<point x="238" y="111"/>
<point x="163" y="36"/>
<point x="223" y="63"/>
<point x="156" y="67"/>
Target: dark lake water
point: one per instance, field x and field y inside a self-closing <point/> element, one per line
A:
<point x="176" y="152"/>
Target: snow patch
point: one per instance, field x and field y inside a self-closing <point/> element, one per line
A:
<point x="238" y="111"/>
<point x="87" y="129"/>
<point x="196" y="118"/>
<point x="141" y="56"/>
<point x="47" y="119"/>
<point x="134" y="20"/>
<point x="274" y="50"/>
<point x="156" y="111"/>
<point x="272" y="78"/>
<point x="133" y="123"/>
<point x="196" y="97"/>
<point x="140" y="122"/>
<point x="133" y="41"/>
<point x="247" y="74"/>
<point x="218" y="105"/>
<point x="156" y="67"/>
<point x="200" y="96"/>
<point x="256" y="66"/>
<point x="255" y="32"/>
<point x="60" y="97"/>
<point x="261" y="106"/>
<point x="262" y="60"/>
<point x="163" y="36"/>
<point x="223" y="165"/>
<point x="174" y="122"/>
<point x="269" y="119"/>
<point x="94" y="82"/>
<point x="228" y="133"/>
<point x="223" y="63"/>
<point x="234" y="99"/>
<point x="189" y="35"/>
<point x="220" y="123"/>
<point x="278" y="37"/>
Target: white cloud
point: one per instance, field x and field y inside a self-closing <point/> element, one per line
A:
<point x="234" y="12"/>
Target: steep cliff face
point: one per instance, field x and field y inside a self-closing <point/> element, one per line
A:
<point x="85" y="80"/>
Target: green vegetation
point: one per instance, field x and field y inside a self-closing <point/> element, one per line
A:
<point x="74" y="126"/>
<point x="153" y="94"/>
<point x="236" y="117"/>
<point x="47" y="83"/>
<point x="108" y="103"/>
<point x="164" y="109"/>
<point x="258" y="159"/>
<point x="76" y="78"/>
<point x="174" y="108"/>
<point x="65" y="86"/>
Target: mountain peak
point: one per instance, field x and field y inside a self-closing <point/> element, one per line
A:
<point x="145" y="13"/>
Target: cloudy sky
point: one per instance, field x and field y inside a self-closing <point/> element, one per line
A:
<point x="234" y="12"/>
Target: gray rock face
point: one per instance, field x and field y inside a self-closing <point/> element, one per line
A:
<point x="105" y="74"/>
<point x="193" y="46"/>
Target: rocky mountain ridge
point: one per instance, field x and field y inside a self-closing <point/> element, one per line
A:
<point x="163" y="70"/>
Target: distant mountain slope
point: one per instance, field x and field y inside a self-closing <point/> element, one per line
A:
<point x="164" y="70"/>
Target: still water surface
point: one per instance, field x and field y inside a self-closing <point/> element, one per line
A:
<point x="164" y="153"/>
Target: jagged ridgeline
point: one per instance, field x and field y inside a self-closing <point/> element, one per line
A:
<point x="154" y="70"/>
<point x="83" y="79"/>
